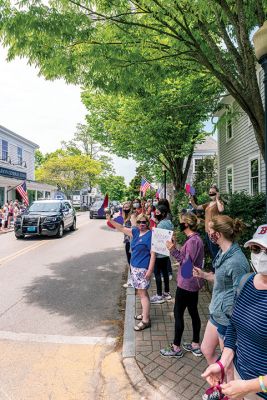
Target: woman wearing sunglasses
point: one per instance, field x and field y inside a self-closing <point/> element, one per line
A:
<point x="142" y="263"/>
<point x="230" y="265"/>
<point x="246" y="337"/>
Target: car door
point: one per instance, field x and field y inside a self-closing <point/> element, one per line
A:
<point x="67" y="214"/>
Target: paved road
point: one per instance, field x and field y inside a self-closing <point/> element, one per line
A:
<point x="59" y="315"/>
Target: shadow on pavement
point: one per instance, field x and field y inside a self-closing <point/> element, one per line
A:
<point x="85" y="289"/>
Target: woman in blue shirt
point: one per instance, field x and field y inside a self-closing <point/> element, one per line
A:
<point x="246" y="336"/>
<point x="142" y="263"/>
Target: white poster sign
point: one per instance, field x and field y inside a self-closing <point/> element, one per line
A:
<point x="159" y="239"/>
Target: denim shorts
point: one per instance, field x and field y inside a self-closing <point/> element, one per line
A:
<point x="221" y="329"/>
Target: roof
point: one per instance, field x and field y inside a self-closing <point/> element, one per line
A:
<point x="18" y="137"/>
<point x="209" y="144"/>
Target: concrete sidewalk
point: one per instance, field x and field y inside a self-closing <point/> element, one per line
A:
<point x="154" y="376"/>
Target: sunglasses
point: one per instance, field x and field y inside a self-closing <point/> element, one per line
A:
<point x="141" y="222"/>
<point x="257" y="249"/>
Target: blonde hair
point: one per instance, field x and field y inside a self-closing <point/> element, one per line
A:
<point x="191" y="220"/>
<point x="144" y="216"/>
<point x="128" y="216"/>
<point x="230" y="228"/>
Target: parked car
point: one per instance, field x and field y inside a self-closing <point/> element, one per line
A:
<point x="97" y="211"/>
<point x="46" y="217"/>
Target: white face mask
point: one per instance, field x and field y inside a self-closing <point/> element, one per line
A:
<point x="259" y="262"/>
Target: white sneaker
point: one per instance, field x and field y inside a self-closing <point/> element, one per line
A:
<point x="127" y="285"/>
<point x="167" y="296"/>
<point x="157" y="299"/>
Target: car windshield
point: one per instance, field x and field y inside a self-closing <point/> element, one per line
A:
<point x="42" y="207"/>
<point x="98" y="204"/>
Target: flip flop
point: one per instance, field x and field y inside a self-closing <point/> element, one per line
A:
<point x="142" y="325"/>
<point x="138" y="317"/>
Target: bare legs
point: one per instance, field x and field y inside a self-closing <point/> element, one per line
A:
<point x="145" y="302"/>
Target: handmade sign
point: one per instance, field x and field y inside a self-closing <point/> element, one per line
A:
<point x="187" y="269"/>
<point x="159" y="239"/>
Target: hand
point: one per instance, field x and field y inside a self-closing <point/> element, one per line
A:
<point x="108" y="216"/>
<point x="148" y="275"/>
<point x="217" y="196"/>
<point x="212" y="374"/>
<point x="198" y="273"/>
<point x="236" y="389"/>
<point x="170" y="245"/>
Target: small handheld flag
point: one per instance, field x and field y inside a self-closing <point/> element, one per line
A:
<point x="22" y="190"/>
<point x="145" y="185"/>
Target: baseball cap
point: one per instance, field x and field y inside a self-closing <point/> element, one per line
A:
<point x="259" y="237"/>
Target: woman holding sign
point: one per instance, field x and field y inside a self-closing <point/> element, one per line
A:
<point x="191" y="254"/>
<point x="142" y="263"/>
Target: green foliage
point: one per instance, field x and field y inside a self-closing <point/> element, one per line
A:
<point x="205" y="175"/>
<point x="70" y="172"/>
<point x="251" y="209"/>
<point x="133" y="190"/>
<point x="113" y="185"/>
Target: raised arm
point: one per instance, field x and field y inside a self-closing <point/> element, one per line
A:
<point x="220" y="203"/>
<point x="196" y="207"/>
<point x="119" y="227"/>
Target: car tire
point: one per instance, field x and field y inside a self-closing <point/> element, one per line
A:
<point x="90" y="216"/>
<point x="73" y="226"/>
<point x="20" y="236"/>
<point x="60" y="231"/>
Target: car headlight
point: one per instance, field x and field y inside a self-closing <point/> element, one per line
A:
<point x="51" y="219"/>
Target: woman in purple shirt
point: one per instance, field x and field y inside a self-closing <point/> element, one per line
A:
<point x="191" y="254"/>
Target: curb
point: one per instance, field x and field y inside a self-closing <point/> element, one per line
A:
<point x="135" y="375"/>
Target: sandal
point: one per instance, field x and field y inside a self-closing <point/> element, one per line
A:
<point x="138" y="317"/>
<point x="142" y="325"/>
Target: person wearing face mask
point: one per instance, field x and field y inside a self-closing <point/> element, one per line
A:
<point x="161" y="265"/>
<point x="187" y="288"/>
<point x="211" y="209"/>
<point x="126" y="214"/>
<point x="245" y="342"/>
<point x="142" y="264"/>
<point x="137" y="210"/>
<point x="230" y="265"/>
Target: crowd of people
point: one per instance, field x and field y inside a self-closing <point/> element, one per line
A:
<point x="9" y="213"/>
<point x="238" y="307"/>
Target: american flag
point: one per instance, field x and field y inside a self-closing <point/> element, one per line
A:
<point x="145" y="185"/>
<point x="22" y="189"/>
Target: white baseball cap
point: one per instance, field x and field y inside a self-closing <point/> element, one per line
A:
<point x="259" y="237"/>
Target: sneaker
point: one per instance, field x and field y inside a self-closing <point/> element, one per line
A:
<point x="127" y="285"/>
<point x="157" y="299"/>
<point x="195" y="351"/>
<point x="167" y="296"/>
<point x="170" y="352"/>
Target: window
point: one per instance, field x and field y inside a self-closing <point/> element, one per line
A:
<point x="229" y="129"/>
<point x="229" y="179"/>
<point x="254" y="176"/>
<point x="19" y="155"/>
<point x="196" y="163"/>
<point x="4" y="150"/>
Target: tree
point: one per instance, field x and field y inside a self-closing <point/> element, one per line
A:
<point x="133" y="190"/>
<point x="85" y="41"/>
<point x="113" y="185"/>
<point x="70" y="172"/>
<point x="155" y="128"/>
<point x="205" y="175"/>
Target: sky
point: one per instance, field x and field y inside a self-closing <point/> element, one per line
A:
<point x="45" y="112"/>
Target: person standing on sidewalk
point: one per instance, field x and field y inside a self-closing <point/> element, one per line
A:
<point x="230" y="265"/>
<point x="126" y="214"/>
<point x="142" y="264"/>
<point x="161" y="265"/>
<point x="191" y="252"/>
<point x="212" y="208"/>
<point x="246" y="336"/>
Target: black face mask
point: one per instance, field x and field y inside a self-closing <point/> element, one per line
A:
<point x="159" y="217"/>
<point x="126" y="211"/>
<point x="212" y="194"/>
<point x="182" y="226"/>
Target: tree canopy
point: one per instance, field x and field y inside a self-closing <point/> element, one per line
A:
<point x="103" y="42"/>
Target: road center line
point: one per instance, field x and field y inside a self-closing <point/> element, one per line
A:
<point x="57" y="339"/>
<point x="22" y="251"/>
